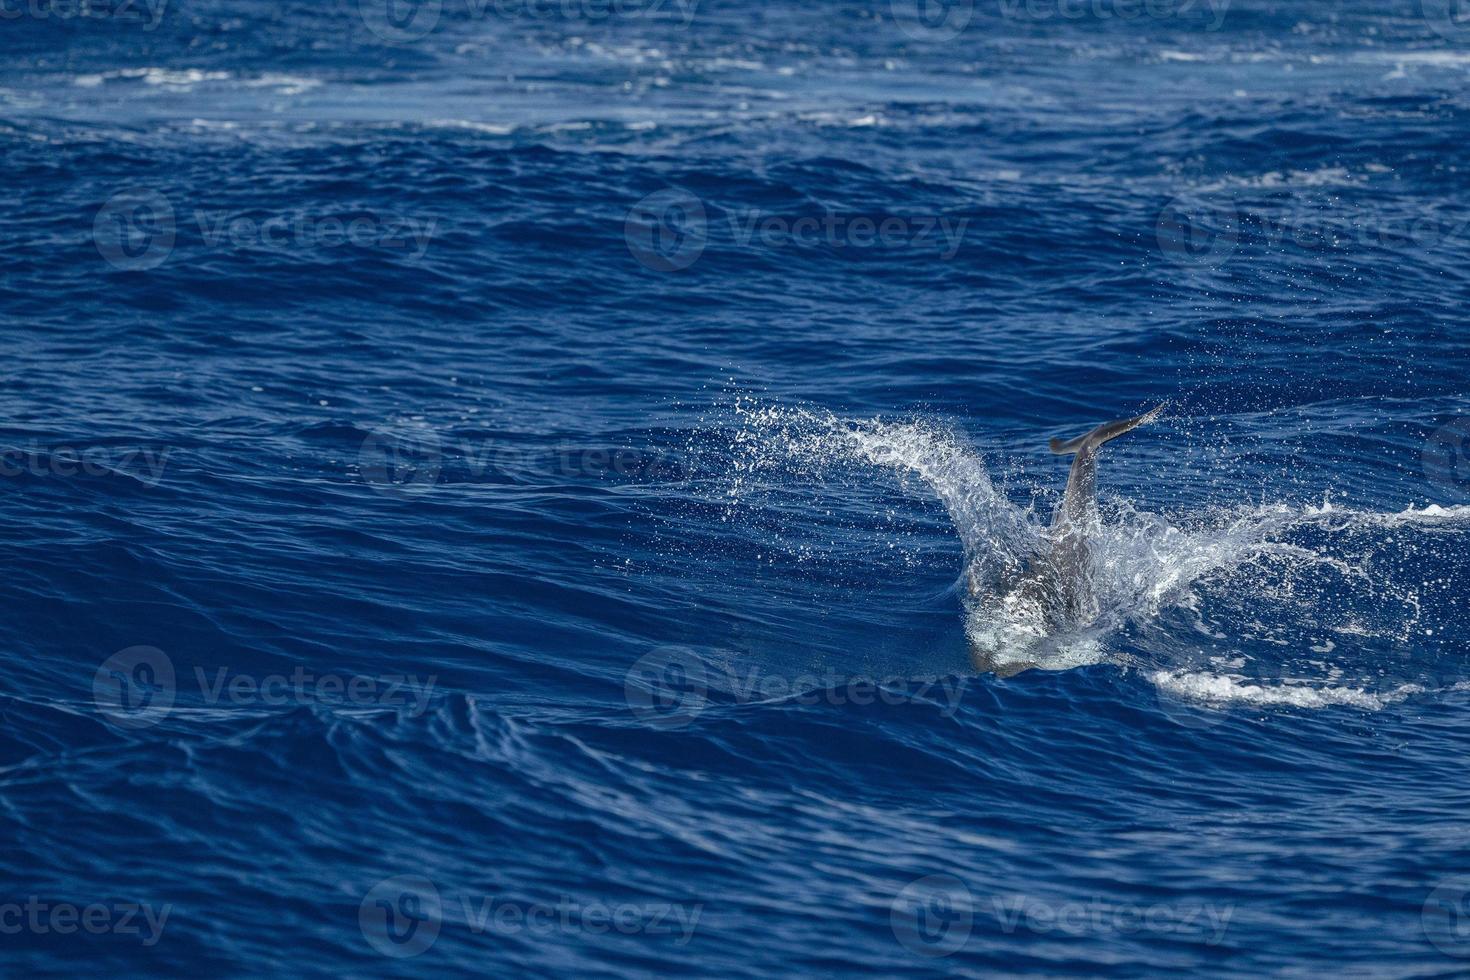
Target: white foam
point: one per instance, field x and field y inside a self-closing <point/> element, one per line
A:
<point x="1432" y="59"/>
<point x="1282" y="179"/>
<point x="1218" y="688"/>
<point x="287" y="84"/>
<point x="184" y="78"/>
<point x="1430" y="514"/>
<point x="187" y="78"/>
<point x="495" y="129"/>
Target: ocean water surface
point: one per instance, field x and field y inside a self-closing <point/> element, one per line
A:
<point x="513" y="488"/>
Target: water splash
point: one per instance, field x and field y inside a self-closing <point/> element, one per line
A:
<point x="774" y="442"/>
<point x="1186" y="590"/>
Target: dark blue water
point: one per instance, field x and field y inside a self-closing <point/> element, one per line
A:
<point x="491" y="489"/>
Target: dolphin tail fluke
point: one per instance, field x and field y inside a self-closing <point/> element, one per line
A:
<point x="1104" y="432"/>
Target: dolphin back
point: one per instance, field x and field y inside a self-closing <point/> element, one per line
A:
<point x="1104" y="432"/>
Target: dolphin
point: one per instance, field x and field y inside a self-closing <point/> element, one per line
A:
<point x="1054" y="591"/>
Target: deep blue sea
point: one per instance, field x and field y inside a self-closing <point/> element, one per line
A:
<point x="512" y="487"/>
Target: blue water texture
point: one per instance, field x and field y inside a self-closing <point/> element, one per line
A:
<point x="518" y="489"/>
